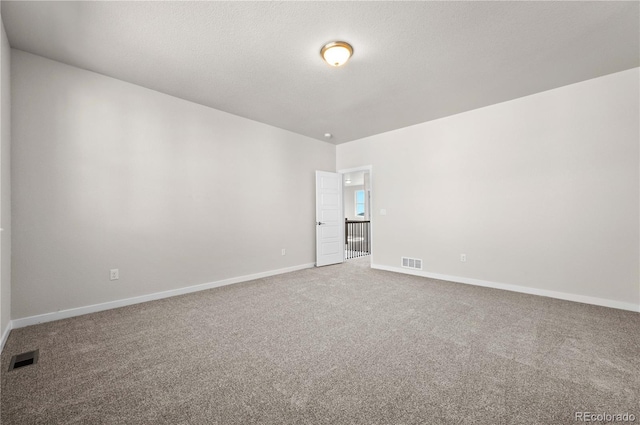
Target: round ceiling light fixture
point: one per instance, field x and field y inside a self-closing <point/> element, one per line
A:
<point x="336" y="53"/>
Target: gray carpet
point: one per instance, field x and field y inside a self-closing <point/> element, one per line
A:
<point x="336" y="345"/>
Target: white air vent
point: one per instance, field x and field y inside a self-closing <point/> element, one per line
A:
<point x="412" y="263"/>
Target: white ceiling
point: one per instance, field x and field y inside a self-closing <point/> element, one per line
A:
<point x="413" y="61"/>
<point x="355" y="179"/>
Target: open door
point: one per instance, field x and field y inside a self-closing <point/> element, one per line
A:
<point x="329" y="219"/>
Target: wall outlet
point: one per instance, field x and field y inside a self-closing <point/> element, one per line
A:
<point x="463" y="258"/>
<point x="114" y="274"/>
<point x="284" y="251"/>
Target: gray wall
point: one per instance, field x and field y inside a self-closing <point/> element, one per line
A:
<point x="5" y="184"/>
<point x="112" y="175"/>
<point x="541" y="192"/>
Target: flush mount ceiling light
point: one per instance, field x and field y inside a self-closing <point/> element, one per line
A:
<point x="336" y="53"/>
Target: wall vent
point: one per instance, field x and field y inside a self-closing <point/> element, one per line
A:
<point x="24" y="359"/>
<point x="412" y="263"/>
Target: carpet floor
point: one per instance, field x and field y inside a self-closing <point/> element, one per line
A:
<point x="334" y="345"/>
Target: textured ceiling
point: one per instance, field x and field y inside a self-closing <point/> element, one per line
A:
<point x="413" y="61"/>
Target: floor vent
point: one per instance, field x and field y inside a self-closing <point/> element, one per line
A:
<point x="411" y="263"/>
<point x="24" y="359"/>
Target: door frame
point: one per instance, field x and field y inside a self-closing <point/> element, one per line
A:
<point x="369" y="169"/>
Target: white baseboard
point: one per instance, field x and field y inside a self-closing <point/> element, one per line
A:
<point x="516" y="288"/>
<point x="5" y="335"/>
<point x="64" y="314"/>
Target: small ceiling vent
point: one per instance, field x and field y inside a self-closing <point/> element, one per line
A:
<point x="412" y="263"/>
<point x="24" y="359"/>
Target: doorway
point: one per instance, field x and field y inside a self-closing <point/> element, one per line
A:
<point x="357" y="212"/>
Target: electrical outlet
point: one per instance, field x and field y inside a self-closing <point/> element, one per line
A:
<point x="114" y="274"/>
<point x="463" y="258"/>
<point x="284" y="251"/>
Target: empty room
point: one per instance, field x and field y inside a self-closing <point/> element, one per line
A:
<point x="238" y="212"/>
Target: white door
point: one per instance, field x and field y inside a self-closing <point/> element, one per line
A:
<point x="329" y="219"/>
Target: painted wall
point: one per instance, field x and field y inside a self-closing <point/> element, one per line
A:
<point x="349" y="193"/>
<point x="540" y="192"/>
<point x="5" y="183"/>
<point x="112" y="175"/>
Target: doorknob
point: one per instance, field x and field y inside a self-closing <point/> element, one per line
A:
<point x="320" y="223"/>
